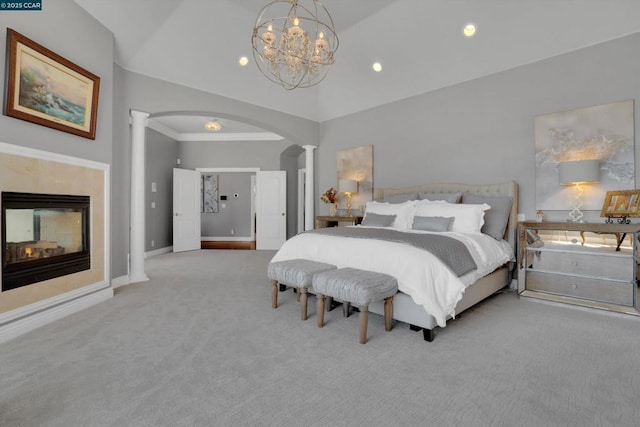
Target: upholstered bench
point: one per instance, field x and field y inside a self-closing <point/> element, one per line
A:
<point x="296" y="273"/>
<point x="358" y="287"/>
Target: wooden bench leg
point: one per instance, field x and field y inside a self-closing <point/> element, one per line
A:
<point x="388" y="313"/>
<point x="303" y="299"/>
<point x="329" y="304"/>
<point x="274" y="293"/>
<point x="320" y="309"/>
<point x="364" y="320"/>
<point x="346" y="308"/>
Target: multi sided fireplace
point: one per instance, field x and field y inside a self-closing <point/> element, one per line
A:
<point x="43" y="236"/>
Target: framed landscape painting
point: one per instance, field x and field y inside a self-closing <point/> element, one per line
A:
<point x="45" y="88"/>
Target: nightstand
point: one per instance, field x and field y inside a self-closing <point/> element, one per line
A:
<point x="555" y="263"/>
<point x="334" y="221"/>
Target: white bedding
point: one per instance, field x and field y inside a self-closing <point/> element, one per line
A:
<point x="420" y="274"/>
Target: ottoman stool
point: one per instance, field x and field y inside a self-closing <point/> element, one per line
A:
<point x="357" y="287"/>
<point x="296" y="273"/>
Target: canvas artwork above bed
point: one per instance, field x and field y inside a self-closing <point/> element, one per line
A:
<point x="480" y="218"/>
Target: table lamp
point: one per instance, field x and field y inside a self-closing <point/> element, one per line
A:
<point x="348" y="187"/>
<point x="579" y="172"/>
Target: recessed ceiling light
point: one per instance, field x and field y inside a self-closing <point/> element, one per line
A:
<point x="469" y="30"/>
<point x="213" y="126"/>
<point x="243" y="61"/>
<point x="377" y="67"/>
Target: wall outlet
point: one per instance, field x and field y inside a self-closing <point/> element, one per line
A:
<point x="177" y="161"/>
<point x="232" y="232"/>
<point x="154" y="187"/>
<point x="521" y="217"/>
<point x="153" y="243"/>
<point x="153" y="205"/>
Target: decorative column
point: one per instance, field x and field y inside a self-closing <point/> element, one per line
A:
<point x="136" y="235"/>
<point x="309" y="212"/>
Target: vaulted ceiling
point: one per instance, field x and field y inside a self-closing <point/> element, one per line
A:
<point x="197" y="43"/>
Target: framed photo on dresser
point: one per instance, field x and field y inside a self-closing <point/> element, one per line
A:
<point x="621" y="204"/>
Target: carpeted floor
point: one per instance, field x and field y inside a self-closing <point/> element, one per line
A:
<point x="200" y="345"/>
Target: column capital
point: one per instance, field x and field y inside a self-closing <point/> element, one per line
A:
<point x="138" y="114"/>
<point x="309" y="147"/>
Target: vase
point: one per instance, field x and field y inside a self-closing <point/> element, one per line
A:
<point x="333" y="209"/>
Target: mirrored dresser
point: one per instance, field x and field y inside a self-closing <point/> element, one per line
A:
<point x="586" y="264"/>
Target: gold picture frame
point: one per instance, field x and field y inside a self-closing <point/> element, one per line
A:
<point x="43" y="87"/>
<point x="621" y="204"/>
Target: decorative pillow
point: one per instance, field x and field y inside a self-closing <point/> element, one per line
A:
<point x="468" y="218"/>
<point x="377" y="220"/>
<point x="447" y="197"/>
<point x="403" y="212"/>
<point x="432" y="223"/>
<point x="496" y="218"/>
<point x="399" y="198"/>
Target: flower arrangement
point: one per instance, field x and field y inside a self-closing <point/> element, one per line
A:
<point x="330" y="196"/>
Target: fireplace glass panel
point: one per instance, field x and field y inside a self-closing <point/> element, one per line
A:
<point x="43" y="236"/>
<point x="43" y="233"/>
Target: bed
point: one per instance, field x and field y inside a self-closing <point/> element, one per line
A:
<point x="430" y="292"/>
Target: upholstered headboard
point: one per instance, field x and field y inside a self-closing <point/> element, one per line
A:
<point x="505" y="189"/>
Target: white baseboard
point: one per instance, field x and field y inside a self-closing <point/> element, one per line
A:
<point x="33" y="316"/>
<point x="227" y="239"/>
<point x="120" y="281"/>
<point x="160" y="251"/>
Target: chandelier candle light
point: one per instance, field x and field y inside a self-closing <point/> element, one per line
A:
<point x="579" y="172"/>
<point x="294" y="42"/>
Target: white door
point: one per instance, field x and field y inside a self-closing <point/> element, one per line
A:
<point x="186" y="210"/>
<point x="271" y="209"/>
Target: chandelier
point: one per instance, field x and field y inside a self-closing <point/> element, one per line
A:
<point x="294" y="42"/>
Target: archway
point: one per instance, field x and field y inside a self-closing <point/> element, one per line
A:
<point x="140" y="121"/>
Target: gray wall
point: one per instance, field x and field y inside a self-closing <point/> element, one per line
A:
<point x="58" y="29"/>
<point x="160" y="159"/>
<point x="482" y="131"/>
<point x="65" y="28"/>
<point x="233" y="154"/>
<point x="236" y="213"/>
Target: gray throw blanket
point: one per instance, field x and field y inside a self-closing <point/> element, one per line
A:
<point x="452" y="252"/>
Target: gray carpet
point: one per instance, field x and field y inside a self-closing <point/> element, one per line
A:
<point x="200" y="345"/>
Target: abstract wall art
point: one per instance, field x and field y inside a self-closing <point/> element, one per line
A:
<point x="602" y="132"/>
<point x="357" y="164"/>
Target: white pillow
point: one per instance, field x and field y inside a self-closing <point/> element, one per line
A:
<point x="469" y="218"/>
<point x="402" y="211"/>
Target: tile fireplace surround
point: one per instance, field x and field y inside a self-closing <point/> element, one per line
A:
<point x="27" y="170"/>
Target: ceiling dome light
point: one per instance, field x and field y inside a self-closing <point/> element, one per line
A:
<point x="469" y="30"/>
<point x="213" y="126"/>
<point x="243" y="61"/>
<point x="377" y="67"/>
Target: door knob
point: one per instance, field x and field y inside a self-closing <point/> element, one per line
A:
<point x="282" y="214"/>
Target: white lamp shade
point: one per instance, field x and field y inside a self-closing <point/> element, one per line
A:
<point x="347" y="186"/>
<point x="580" y="171"/>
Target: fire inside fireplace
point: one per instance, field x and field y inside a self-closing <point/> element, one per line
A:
<point x="43" y="236"/>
